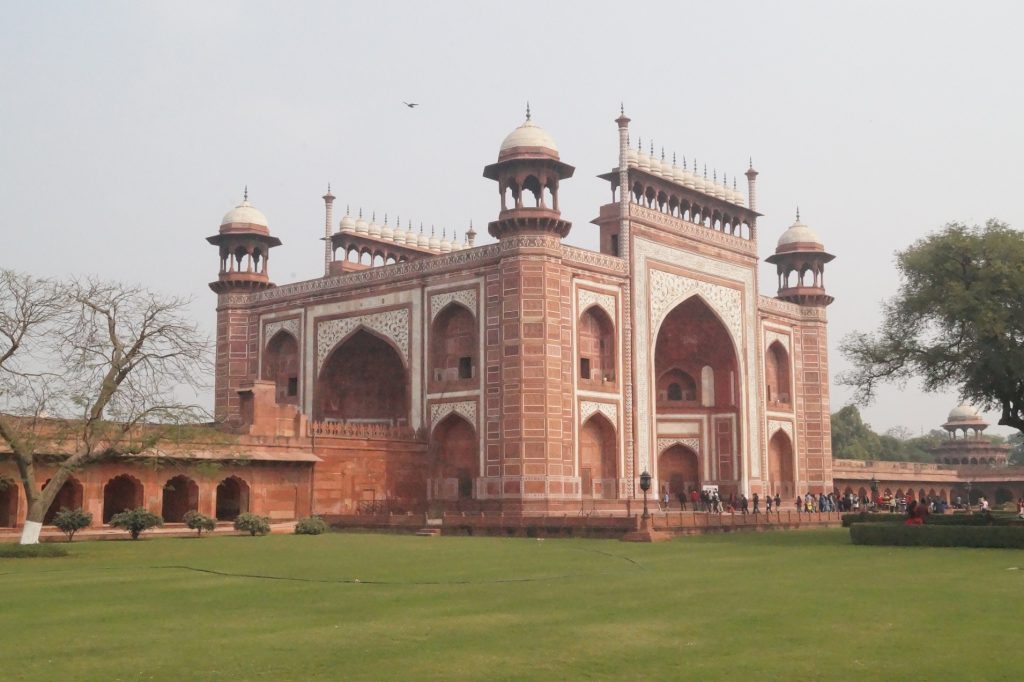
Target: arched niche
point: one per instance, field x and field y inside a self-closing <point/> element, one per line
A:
<point x="69" y="496"/>
<point x="180" y="496"/>
<point x="363" y="381"/>
<point x="8" y="502"/>
<point x="678" y="471"/>
<point x="599" y="457"/>
<point x="781" y="478"/>
<point x="232" y="498"/>
<point x="777" y="375"/>
<point x="281" y="365"/>
<point x="454" y="347"/>
<point x="121" y="493"/>
<point x="596" y="346"/>
<point x="454" y="444"/>
<point x="694" y="348"/>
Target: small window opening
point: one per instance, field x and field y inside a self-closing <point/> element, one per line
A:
<point x="293" y="386"/>
<point x="466" y="367"/>
<point x="584" y="368"/>
<point x="675" y="392"/>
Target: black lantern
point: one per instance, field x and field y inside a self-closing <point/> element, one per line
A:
<point x="645" y="485"/>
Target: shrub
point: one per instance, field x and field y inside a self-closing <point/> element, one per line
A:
<point x="70" y="521"/>
<point x="199" y="522"/>
<point x="312" y="525"/>
<point x="44" y="550"/>
<point x="937" y="535"/>
<point x="872" y="517"/>
<point x="135" y="521"/>
<point x="253" y="524"/>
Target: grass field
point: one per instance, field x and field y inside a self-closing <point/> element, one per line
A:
<point x="769" y="606"/>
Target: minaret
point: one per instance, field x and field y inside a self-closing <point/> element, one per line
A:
<point x="328" y="224"/>
<point x="244" y="242"/>
<point x="752" y="197"/>
<point x="800" y="259"/>
<point x="529" y="349"/>
<point x="470" y="235"/>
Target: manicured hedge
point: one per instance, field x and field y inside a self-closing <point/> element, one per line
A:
<point x="959" y="519"/>
<point x="46" y="549"/>
<point x="937" y="535"/>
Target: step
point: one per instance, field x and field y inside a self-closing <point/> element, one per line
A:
<point x="428" y="532"/>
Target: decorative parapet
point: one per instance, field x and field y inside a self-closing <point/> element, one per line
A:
<point x="699" y="232"/>
<point x="370" y="431"/>
<point x="587" y="258"/>
<point x="791" y="310"/>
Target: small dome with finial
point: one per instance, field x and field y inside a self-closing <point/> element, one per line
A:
<point x="362" y="227"/>
<point x="386" y="231"/>
<point x="434" y="243"/>
<point x="798" y="237"/>
<point x="348" y="223"/>
<point x="245" y="216"/>
<point x="446" y="246"/>
<point x="374" y="230"/>
<point x="528" y="136"/>
<point x="422" y="241"/>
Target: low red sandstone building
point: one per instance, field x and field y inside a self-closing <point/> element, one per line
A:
<point x="520" y="375"/>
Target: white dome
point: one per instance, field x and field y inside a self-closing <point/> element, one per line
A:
<point x="630" y="158"/>
<point x="422" y="240"/>
<point x="348" y="224"/>
<point x="245" y="213"/>
<point x="964" y="412"/>
<point x="374" y="229"/>
<point x="434" y="243"/>
<point x="386" y="232"/>
<point x="529" y="134"/>
<point x="362" y="227"/>
<point x="798" y="233"/>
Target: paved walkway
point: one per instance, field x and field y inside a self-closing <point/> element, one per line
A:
<point x="51" y="534"/>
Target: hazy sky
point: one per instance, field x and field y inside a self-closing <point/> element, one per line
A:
<point x="127" y="129"/>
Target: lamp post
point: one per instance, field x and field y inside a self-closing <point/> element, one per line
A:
<point x="969" y="485"/>
<point x="874" y="490"/>
<point x="645" y="485"/>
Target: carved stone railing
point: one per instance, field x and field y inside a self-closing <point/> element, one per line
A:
<point x="778" y="306"/>
<point x="377" y="431"/>
<point x="701" y="232"/>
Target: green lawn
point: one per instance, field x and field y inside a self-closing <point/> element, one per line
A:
<point x="768" y="606"/>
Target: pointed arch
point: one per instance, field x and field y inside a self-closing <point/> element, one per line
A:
<point x="777" y="375"/>
<point x="70" y="496"/>
<point x="363" y="380"/>
<point x="679" y="470"/>
<point x="454" y="345"/>
<point x="456" y="450"/>
<point x="180" y="496"/>
<point x="781" y="469"/>
<point x="232" y="498"/>
<point x="281" y="365"/>
<point x="8" y="502"/>
<point x="121" y="493"/>
<point x="596" y="345"/>
<point x="598" y="457"/>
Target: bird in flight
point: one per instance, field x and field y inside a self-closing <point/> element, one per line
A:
<point x="411" y="104"/>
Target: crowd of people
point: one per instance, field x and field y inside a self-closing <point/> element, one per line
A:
<point x="710" y="501"/>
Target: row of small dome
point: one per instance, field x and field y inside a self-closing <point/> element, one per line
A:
<point x="637" y="158"/>
<point x="397" y="235"/>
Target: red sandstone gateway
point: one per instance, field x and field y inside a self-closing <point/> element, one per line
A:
<point x="423" y="372"/>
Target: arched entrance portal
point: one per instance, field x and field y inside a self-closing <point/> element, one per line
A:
<point x="181" y="495"/>
<point x="68" y="497"/>
<point x="679" y="470"/>
<point x="457" y="452"/>
<point x="121" y="493"/>
<point x="598" y="458"/>
<point x="363" y="382"/>
<point x="8" y="502"/>
<point x="780" y="466"/>
<point x="232" y="498"/>
<point x="696" y="373"/>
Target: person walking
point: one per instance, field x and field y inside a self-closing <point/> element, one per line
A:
<point x="745" y="504"/>
<point x="767" y="504"/>
<point x="778" y="503"/>
<point x="757" y="504"/>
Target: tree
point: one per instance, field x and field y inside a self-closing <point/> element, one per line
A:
<point x="852" y="438"/>
<point x="90" y="369"/>
<point x="957" y="321"/>
<point x="70" y="521"/>
<point x="135" y="521"/>
<point x="199" y="522"/>
<point x="253" y="524"/>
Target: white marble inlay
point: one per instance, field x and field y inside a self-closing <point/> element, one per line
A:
<point x="466" y="297"/>
<point x="466" y="408"/>
<point x="586" y="298"/>
<point x="393" y="324"/>
<point x="589" y="408"/>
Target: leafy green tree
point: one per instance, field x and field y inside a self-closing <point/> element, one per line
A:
<point x="957" y="321"/>
<point x="199" y="522"/>
<point x="135" y="521"/>
<point x="1017" y="454"/>
<point x="70" y="521"/>
<point x="852" y="438"/>
<point x="253" y="524"/>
